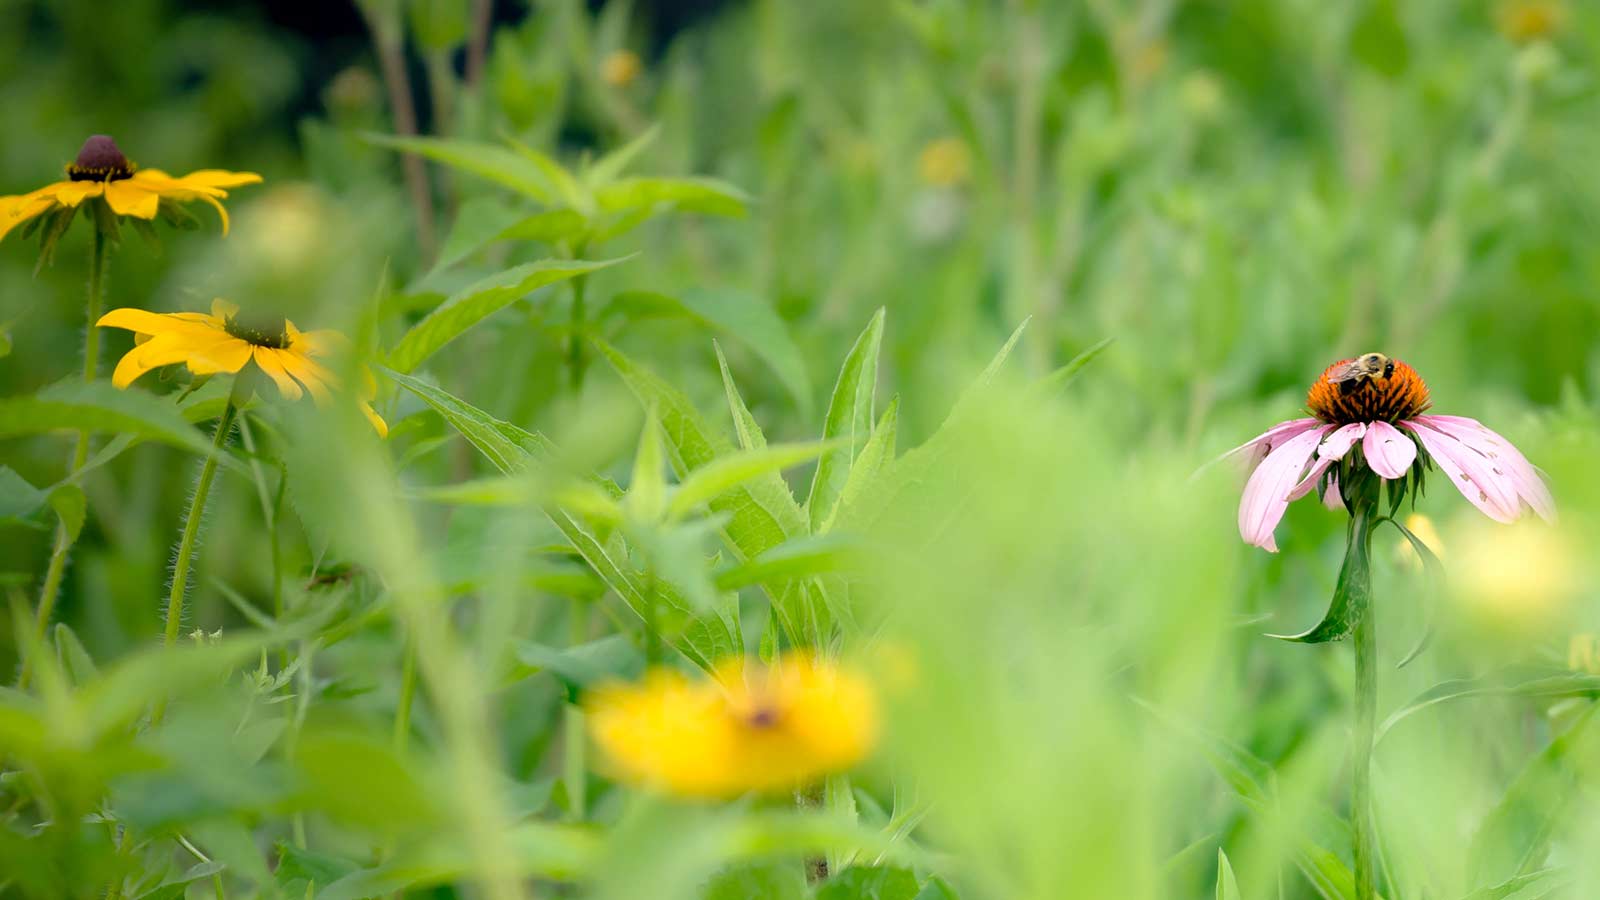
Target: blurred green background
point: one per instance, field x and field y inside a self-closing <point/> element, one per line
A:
<point x="1236" y="192"/>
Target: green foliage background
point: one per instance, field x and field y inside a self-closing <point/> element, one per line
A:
<point x="1079" y="698"/>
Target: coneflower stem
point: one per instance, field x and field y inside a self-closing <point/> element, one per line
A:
<point x="191" y="527"/>
<point x="1364" y="635"/>
<point x="99" y="258"/>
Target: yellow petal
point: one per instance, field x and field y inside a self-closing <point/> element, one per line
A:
<point x="161" y="350"/>
<point x="270" y="361"/>
<point x="130" y="199"/>
<point x="228" y="355"/>
<point x="72" y="193"/>
<point x="324" y="342"/>
<point x="222" y="310"/>
<point x="316" y="378"/>
<point x="217" y="178"/>
<point x="146" y="322"/>
<point x="221" y="212"/>
<point x="378" y="424"/>
<point x="16" y="210"/>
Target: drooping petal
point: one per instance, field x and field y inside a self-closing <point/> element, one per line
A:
<point x="1331" y="497"/>
<point x="1469" y="472"/>
<point x="1266" y="495"/>
<point x="164" y="349"/>
<point x="16" y="210"/>
<point x="1332" y="450"/>
<point x="217" y="178"/>
<point x="324" y="342"/>
<point x="378" y="424"/>
<point x="270" y="361"/>
<point x="1388" y="452"/>
<point x="316" y="378"/>
<point x="72" y="193"/>
<point x="1504" y="457"/>
<point x="1259" y="446"/>
<point x="129" y="199"/>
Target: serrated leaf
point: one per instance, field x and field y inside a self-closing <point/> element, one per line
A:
<point x="739" y="315"/>
<point x="468" y="307"/>
<point x="174" y="888"/>
<point x="876" y="457"/>
<point x="493" y="162"/>
<point x="549" y="227"/>
<point x="1352" y="595"/>
<point x="481" y="221"/>
<point x="509" y="450"/>
<point x="1227" y="884"/>
<point x="585" y="665"/>
<point x="647" y="491"/>
<point x="97" y="406"/>
<point x="18" y="498"/>
<point x="567" y="188"/>
<point x="745" y="426"/>
<point x="849" y="418"/>
<point x="701" y="195"/>
<point x="731" y="470"/>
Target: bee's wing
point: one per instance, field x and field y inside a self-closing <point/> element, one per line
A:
<point x="1349" y="373"/>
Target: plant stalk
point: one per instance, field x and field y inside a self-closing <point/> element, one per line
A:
<point x="100" y="257"/>
<point x="575" y="360"/>
<point x="574" y="761"/>
<point x="1365" y="638"/>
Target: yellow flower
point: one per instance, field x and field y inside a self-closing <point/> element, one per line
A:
<point x="758" y="729"/>
<point x="1525" y="21"/>
<point x="945" y="163"/>
<point x="102" y="171"/>
<point x="620" y="68"/>
<point x="225" y="341"/>
<point x="1421" y="526"/>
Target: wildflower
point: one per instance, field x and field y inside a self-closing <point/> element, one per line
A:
<point x="1295" y="457"/>
<point x="1513" y="581"/>
<point x="226" y="341"/>
<point x="620" y="68"/>
<point x="102" y="171"/>
<point x="1422" y="527"/>
<point x="1526" y="21"/>
<point x="761" y="729"/>
<point x="945" y="163"/>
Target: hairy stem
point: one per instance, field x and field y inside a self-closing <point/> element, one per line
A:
<point x="100" y="256"/>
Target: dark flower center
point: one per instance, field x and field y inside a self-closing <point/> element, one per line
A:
<point x="100" y="160"/>
<point x="262" y="330"/>
<point x="762" y="717"/>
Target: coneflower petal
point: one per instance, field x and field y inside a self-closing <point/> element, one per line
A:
<point x="1266" y="495"/>
<point x="1332" y="450"/>
<point x="1505" y="458"/>
<point x="1470" y="472"/>
<point x="1388" y="452"/>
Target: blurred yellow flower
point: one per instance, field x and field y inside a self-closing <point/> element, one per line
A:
<point x="620" y="68"/>
<point x="1526" y="21"/>
<point x="1518" y="578"/>
<point x="1421" y="526"/>
<point x="102" y="171"/>
<point x="1583" y="653"/>
<point x="757" y="729"/>
<point x="945" y="163"/>
<point x="225" y="341"/>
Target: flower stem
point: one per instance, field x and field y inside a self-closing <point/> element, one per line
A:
<point x="100" y="256"/>
<point x="191" y="528"/>
<point x="1365" y="638"/>
<point x="573" y="761"/>
<point x="575" y="360"/>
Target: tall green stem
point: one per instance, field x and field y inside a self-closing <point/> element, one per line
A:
<point x="1365" y="638"/>
<point x="573" y="760"/>
<point x="575" y="349"/>
<point x="100" y="256"/>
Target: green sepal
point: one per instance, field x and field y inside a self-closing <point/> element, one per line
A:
<point x="56" y="224"/>
<point x="177" y="215"/>
<point x="1353" y="594"/>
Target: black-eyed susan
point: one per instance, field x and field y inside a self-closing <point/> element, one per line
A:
<point x="101" y="170"/>
<point x="760" y="729"/>
<point x="226" y="341"/>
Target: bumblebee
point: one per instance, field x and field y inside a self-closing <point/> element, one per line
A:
<point x="1358" y="370"/>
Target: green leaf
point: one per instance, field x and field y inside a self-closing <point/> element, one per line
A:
<point x="18" y="498"/>
<point x="1516" y="682"/>
<point x="1353" y="593"/>
<point x="608" y="167"/>
<point x="74" y="659"/>
<point x="363" y="780"/>
<point x="1515" y="837"/>
<point x="742" y="316"/>
<point x="72" y="507"/>
<point x="701" y="195"/>
<point x="481" y="221"/>
<point x="1435" y="570"/>
<point x="876" y="457"/>
<point x="566" y="186"/>
<point x="870" y="883"/>
<point x="580" y="667"/>
<point x="300" y="870"/>
<point x="772" y="881"/>
<point x="173" y="888"/>
<point x="727" y="472"/>
<point x="5" y="341"/>
<point x="508" y="447"/>
<point x="1227" y="885"/>
<point x="1548" y="881"/>
<point x="97" y="406"/>
<point x="549" y="851"/>
<point x="476" y="303"/>
<point x="499" y="164"/>
<point x="849" y="419"/>
<point x="744" y="424"/>
<point x="550" y="227"/>
<point x="801" y="557"/>
<point x="647" y="491"/>
<point x="937" y="889"/>
<point x="1058" y="380"/>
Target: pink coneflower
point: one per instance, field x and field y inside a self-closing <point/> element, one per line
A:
<point x="1357" y="403"/>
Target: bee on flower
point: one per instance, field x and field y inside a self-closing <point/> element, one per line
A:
<point x="748" y="729"/>
<point x="102" y="171"/>
<point x="1378" y="404"/>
